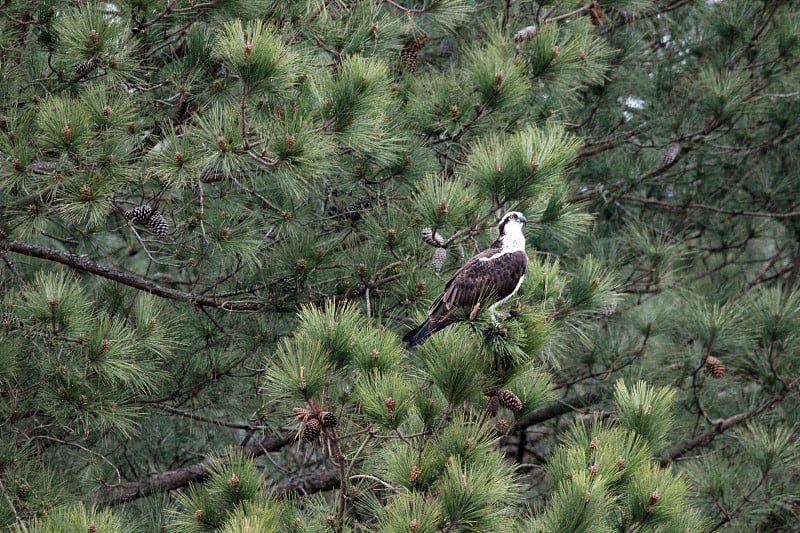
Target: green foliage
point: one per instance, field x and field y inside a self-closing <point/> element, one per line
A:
<point x="590" y="288"/>
<point x="764" y="460"/>
<point x="86" y="30"/>
<point x="409" y="508"/>
<point x="559" y="223"/>
<point x="578" y="505"/>
<point x="645" y="410"/>
<point x="298" y="368"/>
<point x="56" y="118"/>
<point x="620" y="469"/>
<point x="377" y="349"/>
<point x="90" y="33"/>
<point x="563" y="62"/>
<point x="441" y="202"/>
<point x="55" y="302"/>
<point x="465" y="491"/>
<point x="334" y="328"/>
<point x="214" y="231"/>
<point x="500" y="81"/>
<point x="530" y="163"/>
<point x="534" y="388"/>
<point x="230" y="498"/>
<point x="255" y="54"/>
<point x="385" y="397"/>
<point x="258" y="519"/>
<point x="74" y="518"/>
<point x="453" y="363"/>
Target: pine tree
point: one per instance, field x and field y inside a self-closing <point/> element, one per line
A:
<point x="216" y="227"/>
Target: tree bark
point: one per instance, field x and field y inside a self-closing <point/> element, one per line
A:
<point x="182" y="477"/>
<point x="82" y="262"/>
<point x="558" y="408"/>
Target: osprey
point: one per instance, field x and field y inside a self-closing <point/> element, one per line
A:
<point x="489" y="278"/>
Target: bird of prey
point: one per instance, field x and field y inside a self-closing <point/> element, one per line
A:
<point x="489" y="278"/>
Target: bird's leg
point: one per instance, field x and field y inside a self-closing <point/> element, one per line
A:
<point x="495" y="322"/>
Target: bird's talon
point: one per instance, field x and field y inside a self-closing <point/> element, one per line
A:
<point x="474" y="312"/>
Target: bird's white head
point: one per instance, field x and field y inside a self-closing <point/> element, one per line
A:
<point x="512" y="222"/>
<point x="511" y="230"/>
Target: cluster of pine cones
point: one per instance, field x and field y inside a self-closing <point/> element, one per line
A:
<point x="144" y="215"/>
<point x="312" y="422"/>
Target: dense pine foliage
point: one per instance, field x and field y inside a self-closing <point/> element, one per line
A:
<point x="217" y="220"/>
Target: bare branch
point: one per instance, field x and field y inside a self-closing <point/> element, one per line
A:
<point x="82" y="262"/>
<point x="180" y="477"/>
<point x="557" y="408"/>
<point x="692" y="205"/>
<point x="722" y="426"/>
<point x="317" y="481"/>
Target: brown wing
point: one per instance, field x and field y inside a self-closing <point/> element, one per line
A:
<point x="479" y="281"/>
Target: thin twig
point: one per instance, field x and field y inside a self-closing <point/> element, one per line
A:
<point x="377" y="480"/>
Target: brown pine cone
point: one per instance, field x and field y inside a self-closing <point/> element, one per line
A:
<point x="329" y="420"/>
<point x="715" y="367"/>
<point x="509" y="400"/>
<point x="311" y="430"/>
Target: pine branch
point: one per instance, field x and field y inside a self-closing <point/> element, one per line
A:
<point x="651" y="13"/>
<point x="182" y="477"/>
<point x="82" y="262"/>
<point x="200" y="418"/>
<point x="406" y="10"/>
<point x="163" y="481"/>
<point x="680" y="206"/>
<point x="558" y="408"/>
<point x="309" y="483"/>
<point x="724" y="425"/>
<point x="730" y="515"/>
<point x="167" y="10"/>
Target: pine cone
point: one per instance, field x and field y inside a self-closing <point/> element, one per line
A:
<point x="608" y="310"/>
<point x="159" y="225"/>
<point x="595" y="13"/>
<point x="671" y="153"/>
<point x="329" y="420"/>
<point x="715" y="367"/>
<point x="10" y="321"/>
<point x="439" y="255"/>
<point x="408" y="56"/>
<point x="311" y="430"/>
<point x="289" y="284"/>
<point x="422" y="288"/>
<point x="85" y="67"/>
<point x="509" y="400"/>
<point x="139" y="215"/>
